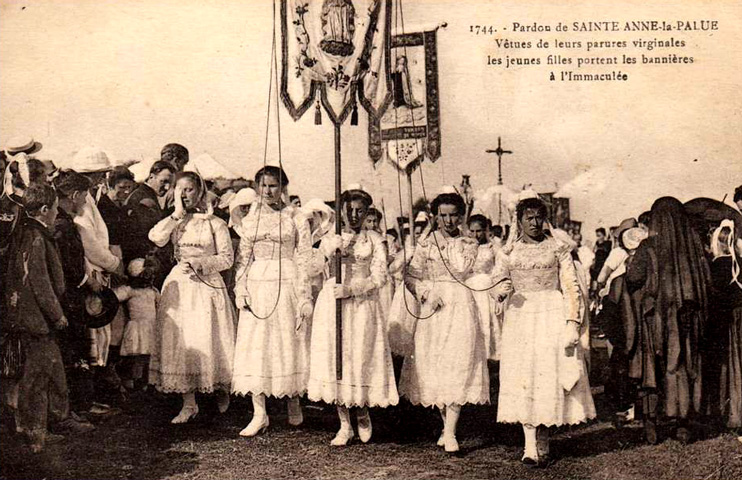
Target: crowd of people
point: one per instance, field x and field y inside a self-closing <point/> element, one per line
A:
<point x="110" y="286"/>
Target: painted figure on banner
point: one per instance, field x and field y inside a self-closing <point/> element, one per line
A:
<point x="338" y="27"/>
<point x="336" y="51"/>
<point x="403" y="94"/>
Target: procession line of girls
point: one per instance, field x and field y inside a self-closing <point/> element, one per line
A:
<point x="284" y="345"/>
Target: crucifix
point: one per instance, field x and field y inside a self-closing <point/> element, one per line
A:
<point x="499" y="152"/>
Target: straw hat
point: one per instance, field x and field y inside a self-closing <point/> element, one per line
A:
<point x="26" y="145"/>
<point x="245" y="196"/>
<point x="91" y="160"/>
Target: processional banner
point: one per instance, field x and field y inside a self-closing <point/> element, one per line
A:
<point x="410" y="126"/>
<point x="339" y="50"/>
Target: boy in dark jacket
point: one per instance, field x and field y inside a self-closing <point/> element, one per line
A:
<point x="35" y="286"/>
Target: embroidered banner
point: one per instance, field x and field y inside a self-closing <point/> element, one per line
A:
<point x="410" y="126"/>
<point x="338" y="49"/>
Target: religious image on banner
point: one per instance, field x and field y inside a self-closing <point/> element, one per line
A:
<point x="410" y="126"/>
<point x="337" y="53"/>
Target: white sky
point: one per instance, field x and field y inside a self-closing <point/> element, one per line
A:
<point x="133" y="75"/>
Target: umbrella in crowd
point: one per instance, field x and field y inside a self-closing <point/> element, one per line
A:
<point x="708" y="213"/>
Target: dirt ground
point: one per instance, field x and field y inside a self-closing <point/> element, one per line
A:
<point x="140" y="444"/>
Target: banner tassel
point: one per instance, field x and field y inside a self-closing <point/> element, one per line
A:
<point x="354" y="115"/>
<point x="317" y="115"/>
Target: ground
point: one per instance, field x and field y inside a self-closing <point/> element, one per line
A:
<point x="141" y="444"/>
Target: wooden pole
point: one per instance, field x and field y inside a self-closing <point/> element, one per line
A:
<point x="338" y="261"/>
<point x="412" y="213"/>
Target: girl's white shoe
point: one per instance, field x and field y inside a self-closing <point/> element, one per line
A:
<point x="257" y="425"/>
<point x="365" y="428"/>
<point x="343" y="437"/>
<point x="187" y="413"/>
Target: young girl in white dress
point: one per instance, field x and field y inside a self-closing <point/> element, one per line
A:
<point x="367" y="372"/>
<point x="448" y="364"/>
<point x="194" y="334"/>
<point x="543" y="379"/>
<point x="480" y="283"/>
<point x="273" y="293"/>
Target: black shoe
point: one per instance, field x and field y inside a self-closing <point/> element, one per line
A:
<point x="529" y="462"/>
<point x="682" y="434"/>
<point x="650" y="430"/>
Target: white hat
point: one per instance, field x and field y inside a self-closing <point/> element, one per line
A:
<point x="90" y="160"/>
<point x="24" y="144"/>
<point x="633" y="237"/>
<point x="245" y="196"/>
<point x="421" y="217"/>
<point x="226" y="198"/>
<point x="448" y="189"/>
<point x="564" y="237"/>
<point x="355" y="186"/>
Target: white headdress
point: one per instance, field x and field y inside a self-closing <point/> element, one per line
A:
<point x="717" y="251"/>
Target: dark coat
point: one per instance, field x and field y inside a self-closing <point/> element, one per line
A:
<point x="35" y="281"/>
<point x="68" y="241"/>
<point x="142" y="211"/>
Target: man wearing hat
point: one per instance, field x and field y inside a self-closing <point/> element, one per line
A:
<point x="100" y="261"/>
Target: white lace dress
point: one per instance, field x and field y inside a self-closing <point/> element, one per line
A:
<point x="194" y="331"/>
<point x="401" y="322"/>
<point x="489" y="311"/>
<point x="271" y="355"/>
<point x="539" y="383"/>
<point x="448" y="364"/>
<point x="368" y="375"/>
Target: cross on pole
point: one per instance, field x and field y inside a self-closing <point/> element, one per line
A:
<point x="499" y="152"/>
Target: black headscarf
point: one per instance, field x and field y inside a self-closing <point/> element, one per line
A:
<point x="682" y="278"/>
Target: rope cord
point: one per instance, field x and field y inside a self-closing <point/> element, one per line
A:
<point x="422" y="184"/>
<point x="273" y="77"/>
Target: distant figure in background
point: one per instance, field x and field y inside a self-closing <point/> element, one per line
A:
<point x="176" y="154"/>
<point x="373" y="220"/>
<point x="111" y="205"/>
<point x="602" y="248"/>
<point x="480" y="281"/>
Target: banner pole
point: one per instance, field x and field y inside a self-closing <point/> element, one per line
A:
<point x="412" y="213"/>
<point x="338" y="260"/>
